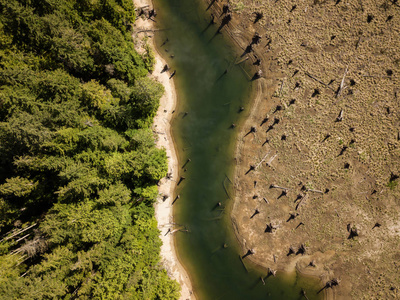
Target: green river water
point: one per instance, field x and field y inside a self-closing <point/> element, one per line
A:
<point x="208" y="103"/>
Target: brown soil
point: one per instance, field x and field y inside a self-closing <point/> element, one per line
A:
<point x="342" y="173"/>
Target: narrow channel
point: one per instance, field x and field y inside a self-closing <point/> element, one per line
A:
<point x="211" y="88"/>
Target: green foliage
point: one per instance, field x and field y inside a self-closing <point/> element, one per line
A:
<point x="17" y="187"/>
<point x="77" y="156"/>
<point x="392" y="184"/>
<point x="8" y="212"/>
<point x="149" y="58"/>
<point x="146" y="95"/>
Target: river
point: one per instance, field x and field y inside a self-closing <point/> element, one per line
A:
<point x="211" y="88"/>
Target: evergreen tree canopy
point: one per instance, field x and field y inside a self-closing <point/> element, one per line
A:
<point x="78" y="162"/>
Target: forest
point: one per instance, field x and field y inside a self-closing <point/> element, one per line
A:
<point x="78" y="162"/>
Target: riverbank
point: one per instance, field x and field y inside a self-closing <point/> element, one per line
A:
<point x="162" y="129"/>
<point x="318" y="158"/>
<point x="242" y="31"/>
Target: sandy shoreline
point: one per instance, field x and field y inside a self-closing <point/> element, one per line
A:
<point x="162" y="128"/>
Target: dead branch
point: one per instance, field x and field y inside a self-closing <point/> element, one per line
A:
<point x="342" y="83"/>
<point x="19" y="232"/>
<point x="319" y="81"/>
<point x="262" y="160"/>
<point x="315" y="191"/>
<point x="301" y="202"/>
<point x="271" y="272"/>
<point x="280" y="91"/>
<point x="270" y="161"/>
<point x="274" y="186"/>
<point x="340" y="116"/>
<point x="24" y="237"/>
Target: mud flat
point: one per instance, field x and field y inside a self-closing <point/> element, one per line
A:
<point x="318" y="159"/>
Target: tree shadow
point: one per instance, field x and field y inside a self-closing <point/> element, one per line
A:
<point x="255" y="213"/>
<point x="249" y="252"/>
<point x="211" y="4"/>
<point x="252" y="168"/>
<point x="284" y="193"/>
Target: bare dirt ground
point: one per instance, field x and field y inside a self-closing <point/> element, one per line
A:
<point x="326" y="131"/>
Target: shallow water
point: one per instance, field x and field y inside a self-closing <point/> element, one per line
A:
<point x="208" y="103"/>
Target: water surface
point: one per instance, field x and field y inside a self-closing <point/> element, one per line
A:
<point x="211" y="88"/>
